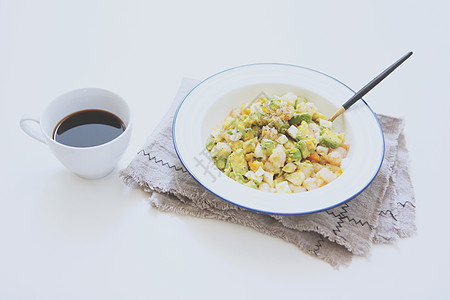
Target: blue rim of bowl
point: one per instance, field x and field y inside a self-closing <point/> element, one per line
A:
<point x="262" y="211"/>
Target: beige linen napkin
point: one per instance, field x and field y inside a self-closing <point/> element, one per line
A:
<point x="382" y="213"/>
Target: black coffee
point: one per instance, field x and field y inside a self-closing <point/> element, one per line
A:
<point x="88" y="128"/>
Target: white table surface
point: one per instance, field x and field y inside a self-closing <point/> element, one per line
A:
<point x="63" y="237"/>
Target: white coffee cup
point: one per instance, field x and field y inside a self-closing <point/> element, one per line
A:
<point x="88" y="162"/>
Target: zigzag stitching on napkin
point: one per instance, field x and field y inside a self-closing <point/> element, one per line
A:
<point x="340" y="214"/>
<point x="338" y="226"/>
<point x="162" y="162"/>
<point x="388" y="211"/>
<point x="318" y="246"/>
<point x="343" y="217"/>
<point x="358" y="222"/>
<point x="337" y="229"/>
<point x="340" y="217"/>
<point x="406" y="202"/>
<point x="384" y="213"/>
<point x="333" y="214"/>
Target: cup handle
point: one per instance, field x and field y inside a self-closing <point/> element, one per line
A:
<point x="32" y="130"/>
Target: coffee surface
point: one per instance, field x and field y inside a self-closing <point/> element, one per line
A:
<point x="88" y="128"/>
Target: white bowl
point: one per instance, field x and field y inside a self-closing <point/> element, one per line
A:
<point x="207" y="105"/>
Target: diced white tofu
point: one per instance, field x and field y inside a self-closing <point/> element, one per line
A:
<point x="296" y="188"/>
<point x="270" y="167"/>
<point x="235" y="136"/>
<point x="292" y="131"/>
<point x="268" y="178"/>
<point x="313" y="127"/>
<point x="289" y="98"/>
<point x="260" y="172"/>
<point x="222" y="149"/>
<point x="252" y="176"/>
<point x="214" y="152"/>
<point x="215" y="132"/>
<point x="282" y="139"/>
<point x="322" y="150"/>
<point x="312" y="105"/>
<point x="306" y="169"/>
<point x="283" y="187"/>
<point x="249" y="174"/>
<point x="264" y="187"/>
<point x="278" y="156"/>
<point x="325" y="123"/>
<point x="326" y="175"/>
<point x="289" y="167"/>
<point x="258" y="151"/>
<point x="296" y="178"/>
<point x="307" y="107"/>
<point x="312" y="183"/>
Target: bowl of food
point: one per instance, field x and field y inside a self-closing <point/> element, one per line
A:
<point x="258" y="136"/>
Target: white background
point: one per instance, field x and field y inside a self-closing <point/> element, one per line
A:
<point x="62" y="237"/>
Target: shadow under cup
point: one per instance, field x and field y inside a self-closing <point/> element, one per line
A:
<point x="88" y="162"/>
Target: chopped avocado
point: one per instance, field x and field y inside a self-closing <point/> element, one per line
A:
<point x="251" y="184"/>
<point x="257" y="130"/>
<point x="311" y="144"/>
<point x="261" y="118"/>
<point x="267" y="146"/>
<point x="236" y="145"/>
<point x="238" y="177"/>
<point x="294" y="154"/>
<point x="251" y="119"/>
<point x="236" y="126"/>
<point x="238" y="162"/>
<point x="249" y="146"/>
<point x="301" y="145"/>
<point x="220" y="162"/>
<point x="248" y="134"/>
<point x="303" y="131"/>
<point x="210" y="143"/>
<point x="281" y="125"/>
<point x="330" y="140"/>
<point x="317" y="116"/>
<point x="289" y="145"/>
<point x="298" y="118"/>
<point x="249" y="156"/>
<point x="322" y="129"/>
<point x="227" y="170"/>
